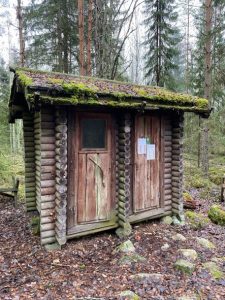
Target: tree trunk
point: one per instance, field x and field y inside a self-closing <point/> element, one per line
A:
<point x="90" y="12"/>
<point x="81" y="36"/>
<point x="207" y="84"/>
<point x="21" y="36"/>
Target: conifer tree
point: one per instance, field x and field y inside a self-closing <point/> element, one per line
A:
<point x="161" y="41"/>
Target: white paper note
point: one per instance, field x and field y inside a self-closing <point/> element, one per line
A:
<point x="150" y="151"/>
<point x="142" y="146"/>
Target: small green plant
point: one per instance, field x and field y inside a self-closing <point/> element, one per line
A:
<point x="196" y="220"/>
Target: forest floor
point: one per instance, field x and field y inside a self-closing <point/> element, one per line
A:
<point x="89" y="267"/>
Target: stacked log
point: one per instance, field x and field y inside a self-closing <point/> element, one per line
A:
<point x="167" y="166"/>
<point x="124" y="169"/>
<point x="45" y="175"/>
<point x="28" y="131"/>
<point x="61" y="175"/>
<point x="177" y="165"/>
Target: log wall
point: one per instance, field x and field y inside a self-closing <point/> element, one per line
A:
<point x="45" y="174"/>
<point x="177" y="165"/>
<point x="123" y="162"/>
<point x="61" y="175"/>
<point x="29" y="158"/>
<point x="167" y="165"/>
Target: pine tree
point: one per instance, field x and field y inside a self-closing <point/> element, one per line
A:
<point x="161" y="42"/>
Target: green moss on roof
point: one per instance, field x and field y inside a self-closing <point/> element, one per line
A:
<point x="92" y="91"/>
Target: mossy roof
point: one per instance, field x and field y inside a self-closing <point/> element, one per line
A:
<point x="63" y="89"/>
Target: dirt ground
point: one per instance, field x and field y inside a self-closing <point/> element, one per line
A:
<point x="87" y="268"/>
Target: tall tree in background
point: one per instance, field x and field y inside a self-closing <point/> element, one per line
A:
<point x="207" y="84"/>
<point x="162" y="38"/>
<point x="51" y="34"/>
<point x="112" y="27"/>
<point x="21" y="34"/>
<point x="81" y="37"/>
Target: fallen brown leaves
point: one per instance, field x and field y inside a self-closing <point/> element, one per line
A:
<point x="87" y="267"/>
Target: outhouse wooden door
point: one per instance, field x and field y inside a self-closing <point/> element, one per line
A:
<point x="147" y="164"/>
<point x="91" y="202"/>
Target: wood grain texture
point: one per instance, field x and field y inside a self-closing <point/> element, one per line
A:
<point x="177" y="165"/>
<point x="29" y="144"/>
<point x="147" y="176"/>
<point x="60" y="140"/>
<point x="91" y="171"/>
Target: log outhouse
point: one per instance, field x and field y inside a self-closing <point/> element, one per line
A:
<point x="99" y="154"/>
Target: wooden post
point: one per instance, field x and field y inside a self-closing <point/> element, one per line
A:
<point x="29" y="158"/>
<point x="124" y="174"/>
<point x="45" y="173"/>
<point x="167" y="165"/>
<point x="61" y="175"/>
<point x="177" y="166"/>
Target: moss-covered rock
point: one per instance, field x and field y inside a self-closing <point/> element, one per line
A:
<point x="187" y="196"/>
<point x="205" y="243"/>
<point x="167" y="220"/>
<point x="217" y="215"/>
<point x="131" y="258"/>
<point x="214" y="270"/>
<point x="147" y="277"/>
<point x="184" y="266"/>
<point x="128" y="295"/>
<point x="189" y="254"/>
<point x="216" y="175"/>
<point x="196" y="220"/>
<point x="126" y="247"/>
<point x="179" y="237"/>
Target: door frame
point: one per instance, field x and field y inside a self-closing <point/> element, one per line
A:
<point x="154" y="212"/>
<point x="74" y="131"/>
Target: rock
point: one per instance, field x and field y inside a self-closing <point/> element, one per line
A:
<point x="131" y="258"/>
<point x="53" y="247"/>
<point x="217" y="215"/>
<point x="205" y="243"/>
<point x="128" y="295"/>
<point x="214" y="270"/>
<point x="124" y="231"/>
<point x="179" y="237"/>
<point x="126" y="247"/>
<point x="178" y="221"/>
<point x="147" y="277"/>
<point x="196" y="220"/>
<point x="189" y="254"/>
<point x="165" y="247"/>
<point x="167" y="220"/>
<point x="185" y="266"/>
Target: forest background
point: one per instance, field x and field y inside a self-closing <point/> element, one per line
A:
<point x="176" y="44"/>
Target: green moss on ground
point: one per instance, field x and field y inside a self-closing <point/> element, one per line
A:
<point x="196" y="220"/>
<point x="217" y="215"/>
<point x="187" y="196"/>
<point x="216" y="175"/>
<point x="214" y="270"/>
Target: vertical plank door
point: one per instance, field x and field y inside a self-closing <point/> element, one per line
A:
<point x="147" y="171"/>
<point x="92" y="202"/>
